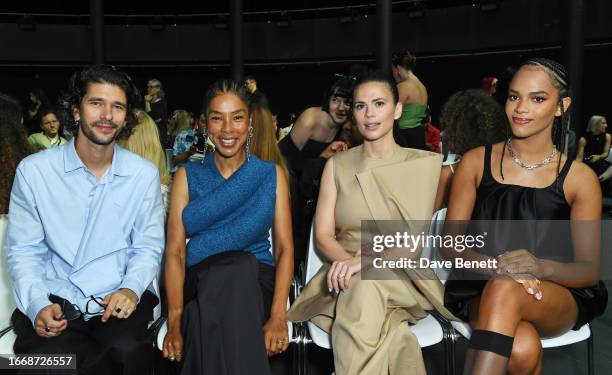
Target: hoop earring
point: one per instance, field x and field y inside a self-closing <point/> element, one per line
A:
<point x="205" y="135"/>
<point x="249" y="142"/>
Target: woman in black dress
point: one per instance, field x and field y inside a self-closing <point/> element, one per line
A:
<point x="594" y="147"/>
<point x="535" y="289"/>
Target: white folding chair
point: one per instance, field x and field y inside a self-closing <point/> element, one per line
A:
<point x="464" y="329"/>
<point x="169" y="164"/>
<point x="7" y="304"/>
<point x="428" y="331"/>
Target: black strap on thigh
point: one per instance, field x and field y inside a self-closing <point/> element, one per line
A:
<point x="491" y="342"/>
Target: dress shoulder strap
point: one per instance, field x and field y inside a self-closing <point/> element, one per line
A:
<point x="563" y="173"/>
<point x="486" y="170"/>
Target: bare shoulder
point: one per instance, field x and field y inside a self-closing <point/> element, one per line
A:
<point x="474" y="156"/>
<point x="309" y="118"/>
<point x="280" y="173"/>
<point x="580" y="174"/>
<point x="580" y="180"/>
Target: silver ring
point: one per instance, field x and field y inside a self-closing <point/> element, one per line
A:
<point x="47" y="329"/>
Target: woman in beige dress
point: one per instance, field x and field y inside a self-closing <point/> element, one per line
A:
<point x="368" y="319"/>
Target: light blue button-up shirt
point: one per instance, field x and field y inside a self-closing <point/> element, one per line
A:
<point x="76" y="237"/>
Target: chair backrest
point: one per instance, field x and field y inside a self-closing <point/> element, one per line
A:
<point x="169" y="165"/>
<point x="437" y="228"/>
<point x="7" y="304"/>
<point x="314" y="261"/>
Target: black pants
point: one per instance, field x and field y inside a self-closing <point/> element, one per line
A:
<point x="227" y="301"/>
<point x="119" y="346"/>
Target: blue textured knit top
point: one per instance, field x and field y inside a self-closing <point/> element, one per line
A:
<point x="233" y="214"/>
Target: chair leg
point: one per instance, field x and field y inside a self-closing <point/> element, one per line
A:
<point x="452" y="363"/>
<point x="301" y="350"/>
<point x="590" y="354"/>
<point x="448" y="336"/>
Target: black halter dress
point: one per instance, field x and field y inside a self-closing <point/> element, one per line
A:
<point x="540" y="221"/>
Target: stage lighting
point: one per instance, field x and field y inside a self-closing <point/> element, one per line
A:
<point x="26" y="23"/>
<point x="221" y="22"/>
<point x="283" y="20"/>
<point x="416" y="14"/>
<point x="157" y="23"/>
<point x="488" y="6"/>
<point x="416" y="10"/>
<point x="347" y="15"/>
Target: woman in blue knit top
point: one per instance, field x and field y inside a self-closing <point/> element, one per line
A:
<point x="225" y="284"/>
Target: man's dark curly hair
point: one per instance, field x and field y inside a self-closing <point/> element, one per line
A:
<point x="470" y="119"/>
<point x="78" y="85"/>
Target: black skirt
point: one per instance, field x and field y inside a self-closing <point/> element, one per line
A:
<point x="227" y="301"/>
<point x="591" y="301"/>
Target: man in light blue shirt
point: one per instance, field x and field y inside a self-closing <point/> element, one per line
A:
<point x="86" y="234"/>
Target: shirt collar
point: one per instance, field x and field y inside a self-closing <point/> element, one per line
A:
<point x="72" y="162"/>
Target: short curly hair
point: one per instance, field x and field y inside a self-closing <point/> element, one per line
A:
<point x="78" y="85"/>
<point x="471" y="118"/>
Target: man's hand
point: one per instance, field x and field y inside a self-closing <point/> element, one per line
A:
<point x="120" y="304"/>
<point x="148" y="98"/>
<point x="50" y="321"/>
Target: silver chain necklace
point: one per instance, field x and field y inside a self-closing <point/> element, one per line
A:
<point x="530" y="167"/>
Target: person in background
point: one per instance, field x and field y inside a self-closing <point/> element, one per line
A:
<point x="284" y="131"/>
<point x="501" y="92"/>
<point x="489" y="85"/>
<point x="258" y="98"/>
<point x="144" y="142"/>
<point x="50" y="135"/>
<point x="264" y="144"/>
<point x="185" y="138"/>
<point x="14" y="146"/>
<point x="594" y="147"/>
<point x="157" y="107"/>
<point x="432" y="134"/>
<point x="314" y="138"/>
<point x="471" y="119"/>
<point x="409" y="130"/>
<point x="37" y="100"/>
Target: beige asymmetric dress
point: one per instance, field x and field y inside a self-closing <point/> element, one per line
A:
<point x="369" y="322"/>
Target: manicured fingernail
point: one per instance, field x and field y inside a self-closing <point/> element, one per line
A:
<point x="529" y="290"/>
<point x="329" y="289"/>
<point x="538" y="296"/>
<point x="337" y="291"/>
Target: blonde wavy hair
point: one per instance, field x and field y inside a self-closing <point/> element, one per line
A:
<point x="183" y="121"/>
<point x="144" y="142"/>
<point x="264" y="138"/>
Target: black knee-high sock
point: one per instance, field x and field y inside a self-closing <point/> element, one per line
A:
<point x="488" y="353"/>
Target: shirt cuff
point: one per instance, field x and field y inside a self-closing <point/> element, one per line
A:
<point x="134" y="286"/>
<point x="35" y="306"/>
